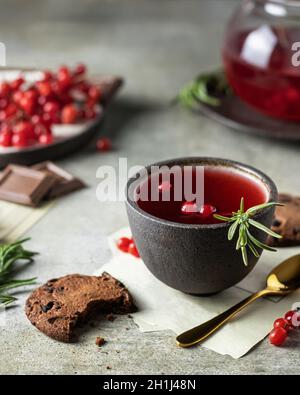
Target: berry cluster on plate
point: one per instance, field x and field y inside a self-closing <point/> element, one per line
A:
<point x="30" y="109"/>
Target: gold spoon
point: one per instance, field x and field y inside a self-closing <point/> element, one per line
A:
<point x="282" y="280"/>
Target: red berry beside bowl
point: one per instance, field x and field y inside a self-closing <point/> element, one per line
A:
<point x="128" y="246"/>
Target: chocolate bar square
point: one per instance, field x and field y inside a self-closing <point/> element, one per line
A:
<point x="24" y="185"/>
<point x="65" y="182"/>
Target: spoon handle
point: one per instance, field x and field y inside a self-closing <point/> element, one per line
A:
<point x="203" y="331"/>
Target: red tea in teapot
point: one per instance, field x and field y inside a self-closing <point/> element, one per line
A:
<point x="260" y="66"/>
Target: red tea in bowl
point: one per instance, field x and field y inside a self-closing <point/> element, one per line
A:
<point x="221" y="189"/>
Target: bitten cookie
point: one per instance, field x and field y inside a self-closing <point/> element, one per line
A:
<point x="58" y="306"/>
<point x="287" y="222"/>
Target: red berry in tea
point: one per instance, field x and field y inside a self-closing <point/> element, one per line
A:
<point x="165" y="186"/>
<point x="188" y="208"/>
<point x="207" y="210"/>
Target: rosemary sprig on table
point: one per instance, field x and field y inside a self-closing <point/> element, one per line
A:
<point x="208" y="88"/>
<point x="242" y="221"/>
<point x="9" y="255"/>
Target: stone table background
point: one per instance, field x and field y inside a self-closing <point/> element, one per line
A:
<point x="157" y="46"/>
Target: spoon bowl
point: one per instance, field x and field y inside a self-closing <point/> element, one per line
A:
<point x="285" y="276"/>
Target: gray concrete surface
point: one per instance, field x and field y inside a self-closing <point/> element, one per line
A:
<point x="157" y="46"/>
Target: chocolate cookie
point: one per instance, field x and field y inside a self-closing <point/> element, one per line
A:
<point x="58" y="306"/>
<point x="287" y="222"/>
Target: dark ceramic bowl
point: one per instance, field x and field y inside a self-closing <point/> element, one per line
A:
<point x="196" y="259"/>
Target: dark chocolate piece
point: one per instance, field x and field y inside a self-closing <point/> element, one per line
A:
<point x="23" y="185"/>
<point x="65" y="182"/>
<point x="74" y="298"/>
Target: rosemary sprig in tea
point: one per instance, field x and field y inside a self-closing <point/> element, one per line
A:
<point x="9" y="255"/>
<point x="208" y="88"/>
<point x="242" y="222"/>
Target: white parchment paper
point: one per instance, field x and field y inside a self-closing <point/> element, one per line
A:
<point x="15" y="219"/>
<point x="161" y="307"/>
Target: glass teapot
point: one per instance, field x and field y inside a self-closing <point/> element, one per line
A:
<point x="261" y="55"/>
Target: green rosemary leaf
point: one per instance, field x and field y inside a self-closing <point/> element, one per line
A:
<point x="9" y="255"/>
<point x="259" y="244"/>
<point x="209" y="88"/>
<point x="16" y="283"/>
<point x="242" y="205"/>
<point x="253" y="210"/>
<point x="242" y="239"/>
<point x="264" y="228"/>
<point x="202" y="93"/>
<point x="244" y="234"/>
<point x="232" y="230"/>
<point x="186" y="96"/>
<point x="6" y="299"/>
<point x="244" y="255"/>
<point x="252" y="248"/>
<point x="243" y="221"/>
<point x="222" y="218"/>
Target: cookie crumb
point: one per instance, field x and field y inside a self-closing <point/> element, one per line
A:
<point x="110" y="317"/>
<point x="100" y="341"/>
<point x="108" y="367"/>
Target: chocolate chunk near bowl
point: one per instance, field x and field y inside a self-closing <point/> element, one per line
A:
<point x="23" y="185"/>
<point x="60" y="306"/>
<point x="65" y="182"/>
<point x="286" y="222"/>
